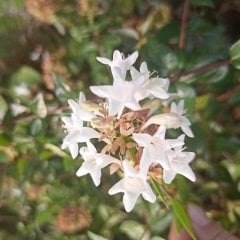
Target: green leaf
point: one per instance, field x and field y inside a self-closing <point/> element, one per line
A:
<point x="36" y="127"/>
<point x="202" y="101"/>
<point x="3" y="157"/>
<point x="22" y="165"/>
<point x="235" y="54"/>
<point x="38" y="106"/>
<point x="206" y="3"/>
<point x="182" y="219"/>
<point x="94" y="236"/>
<point x="3" y="108"/>
<point x="161" y="195"/>
<point x="26" y="75"/>
<point x="133" y="229"/>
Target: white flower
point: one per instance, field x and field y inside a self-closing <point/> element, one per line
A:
<point x="156" y="147"/>
<point x="132" y="185"/>
<point x="149" y="87"/>
<point x="76" y="134"/>
<point x="184" y="122"/>
<point x="94" y="162"/>
<point x="120" y="62"/>
<point x="158" y="87"/>
<point x="179" y="163"/>
<point x="78" y="110"/>
<point x="121" y="94"/>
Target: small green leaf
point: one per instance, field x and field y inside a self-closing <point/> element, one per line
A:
<point x="39" y="106"/>
<point x="22" y="166"/>
<point x="202" y="101"/>
<point x="3" y="108"/>
<point x="3" y="157"/>
<point x="235" y="54"/>
<point x="182" y="219"/>
<point x="94" y="236"/>
<point x="160" y="193"/>
<point x="26" y="75"/>
<point x="133" y="229"/>
<point x="36" y="127"/>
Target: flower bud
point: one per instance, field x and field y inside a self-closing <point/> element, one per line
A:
<point x="169" y="120"/>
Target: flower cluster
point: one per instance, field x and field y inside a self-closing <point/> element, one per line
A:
<point x="128" y="124"/>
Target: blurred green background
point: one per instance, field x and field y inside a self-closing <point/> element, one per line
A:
<point x="48" y="52"/>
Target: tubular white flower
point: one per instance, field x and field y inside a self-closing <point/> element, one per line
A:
<point x="156" y="147"/>
<point x="76" y="133"/>
<point x="120" y="62"/>
<point x="121" y="94"/>
<point x="94" y="162"/>
<point x="78" y="110"/>
<point x="184" y="122"/>
<point x="179" y="164"/>
<point x="132" y="185"/>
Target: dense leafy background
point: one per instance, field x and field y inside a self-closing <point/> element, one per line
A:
<point x="48" y="54"/>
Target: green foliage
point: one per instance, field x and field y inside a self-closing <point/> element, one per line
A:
<point x="235" y="54"/>
<point x="182" y="218"/>
<point x="48" y="54"/>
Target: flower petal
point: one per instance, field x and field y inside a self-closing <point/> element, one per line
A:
<point x="117" y="188"/>
<point x="104" y="60"/>
<point x="187" y="130"/>
<point x="148" y="194"/>
<point x="129" y="201"/>
<point x="168" y="175"/>
<point x="142" y="139"/>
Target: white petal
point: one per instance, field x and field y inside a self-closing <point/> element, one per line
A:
<point x="135" y="74"/>
<point x="189" y="156"/>
<point x="82" y="97"/>
<point x="185" y="121"/>
<point x="107" y="159"/>
<point x="173" y="108"/>
<point x="117" y="188"/>
<point x="162" y="159"/>
<point x="91" y="148"/>
<point x="73" y="148"/>
<point x="115" y="107"/>
<point x="133" y="105"/>
<point x="145" y="163"/>
<point x="101" y="91"/>
<point x="169" y="120"/>
<point x="129" y="171"/>
<point x="148" y="194"/>
<point x="67" y="121"/>
<point x="160" y="133"/>
<point x="159" y="92"/>
<point x="117" y="75"/>
<point x="82" y="135"/>
<point x="187" y="130"/>
<point x="132" y="58"/>
<point x="181" y="106"/>
<point x="104" y="60"/>
<point x="96" y="176"/>
<point x="187" y="172"/>
<point x="142" y="139"/>
<point x="168" y="175"/>
<point x="83" y="170"/>
<point x="89" y="168"/>
<point x="129" y="201"/>
<point x="74" y="106"/>
<point x="144" y="68"/>
<point x="117" y="56"/>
